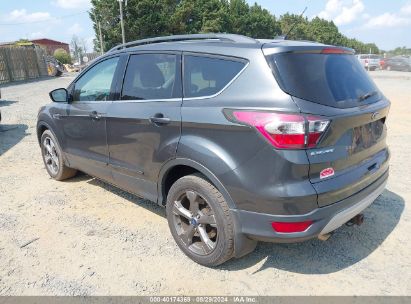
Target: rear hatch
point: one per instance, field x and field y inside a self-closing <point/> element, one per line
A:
<point x="373" y="60"/>
<point x="331" y="83"/>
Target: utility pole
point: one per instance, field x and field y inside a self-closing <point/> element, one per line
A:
<point x="122" y="21"/>
<point x="101" y="38"/>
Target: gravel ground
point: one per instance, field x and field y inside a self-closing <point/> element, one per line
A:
<point x="89" y="238"/>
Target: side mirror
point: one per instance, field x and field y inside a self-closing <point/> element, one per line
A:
<point x="59" y="95"/>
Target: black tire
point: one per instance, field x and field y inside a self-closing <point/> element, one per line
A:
<point x="214" y="225"/>
<point x="53" y="157"/>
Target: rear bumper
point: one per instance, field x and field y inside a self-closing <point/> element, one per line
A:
<point x="257" y="226"/>
<point x="372" y="65"/>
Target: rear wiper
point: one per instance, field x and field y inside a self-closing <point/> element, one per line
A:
<point x="367" y="95"/>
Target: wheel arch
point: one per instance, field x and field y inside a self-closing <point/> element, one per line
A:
<point x="41" y="127"/>
<point x="179" y="167"/>
<point x="242" y="244"/>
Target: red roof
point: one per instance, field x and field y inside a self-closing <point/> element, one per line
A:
<point x="47" y="41"/>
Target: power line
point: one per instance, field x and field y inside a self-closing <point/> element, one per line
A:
<point x="45" y="20"/>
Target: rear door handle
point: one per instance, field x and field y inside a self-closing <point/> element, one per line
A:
<point x="159" y="120"/>
<point x="94" y="115"/>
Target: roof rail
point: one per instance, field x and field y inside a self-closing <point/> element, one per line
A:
<point x="176" y="38"/>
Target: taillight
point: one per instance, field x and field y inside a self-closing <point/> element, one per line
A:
<point x="283" y="131"/>
<point x="316" y="127"/>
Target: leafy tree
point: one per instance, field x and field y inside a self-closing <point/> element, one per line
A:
<point x="261" y="24"/>
<point x="400" y="51"/>
<point x="323" y="31"/>
<point x="238" y="11"/>
<point x="297" y="24"/>
<point x="142" y="19"/>
<point x="215" y="16"/>
<point x="149" y="18"/>
<point x="62" y="56"/>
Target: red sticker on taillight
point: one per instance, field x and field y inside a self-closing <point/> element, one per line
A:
<point x="327" y="172"/>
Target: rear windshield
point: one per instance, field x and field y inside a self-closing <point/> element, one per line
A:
<point x="337" y="80"/>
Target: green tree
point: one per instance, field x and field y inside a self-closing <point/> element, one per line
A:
<point x="297" y="24"/>
<point x="261" y="23"/>
<point x="62" y="56"/>
<point x="142" y="19"/>
<point x="150" y="18"/>
<point x="215" y="16"/>
<point x="400" y="51"/>
<point x="323" y="31"/>
<point x="238" y="11"/>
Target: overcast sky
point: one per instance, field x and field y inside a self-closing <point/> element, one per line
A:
<point x="387" y="23"/>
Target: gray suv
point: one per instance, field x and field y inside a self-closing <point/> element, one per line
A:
<point x="242" y="140"/>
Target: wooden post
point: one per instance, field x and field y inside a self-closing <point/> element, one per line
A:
<point x="24" y="54"/>
<point x="7" y="58"/>
<point x="3" y="61"/>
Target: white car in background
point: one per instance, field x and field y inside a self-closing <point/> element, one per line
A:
<point x="369" y="61"/>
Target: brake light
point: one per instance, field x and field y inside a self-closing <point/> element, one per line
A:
<point x="284" y="131"/>
<point x="290" y="227"/>
<point x="336" y="50"/>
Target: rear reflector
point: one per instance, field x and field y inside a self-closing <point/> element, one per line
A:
<point x="283" y="131"/>
<point x="290" y="227"/>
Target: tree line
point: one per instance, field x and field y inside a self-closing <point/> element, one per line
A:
<point x="151" y="18"/>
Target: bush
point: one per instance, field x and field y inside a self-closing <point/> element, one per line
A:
<point x="62" y="56"/>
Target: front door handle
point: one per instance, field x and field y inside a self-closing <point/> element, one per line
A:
<point x="95" y="115"/>
<point x="159" y="119"/>
<point x="57" y="116"/>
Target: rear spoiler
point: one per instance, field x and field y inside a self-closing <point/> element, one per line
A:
<point x="305" y="48"/>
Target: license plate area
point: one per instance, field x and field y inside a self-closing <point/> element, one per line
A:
<point x="366" y="136"/>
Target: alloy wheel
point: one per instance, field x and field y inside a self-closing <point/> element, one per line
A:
<point x="51" y="157"/>
<point x="195" y="223"/>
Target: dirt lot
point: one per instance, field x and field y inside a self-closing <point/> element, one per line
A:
<point x="90" y="238"/>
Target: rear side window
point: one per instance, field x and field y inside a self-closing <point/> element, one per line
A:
<point x="150" y="76"/>
<point x="336" y="80"/>
<point x="205" y="76"/>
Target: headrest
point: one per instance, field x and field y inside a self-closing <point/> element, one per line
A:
<point x="209" y="71"/>
<point x="153" y="78"/>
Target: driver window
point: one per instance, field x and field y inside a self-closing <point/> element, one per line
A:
<point x="95" y="84"/>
